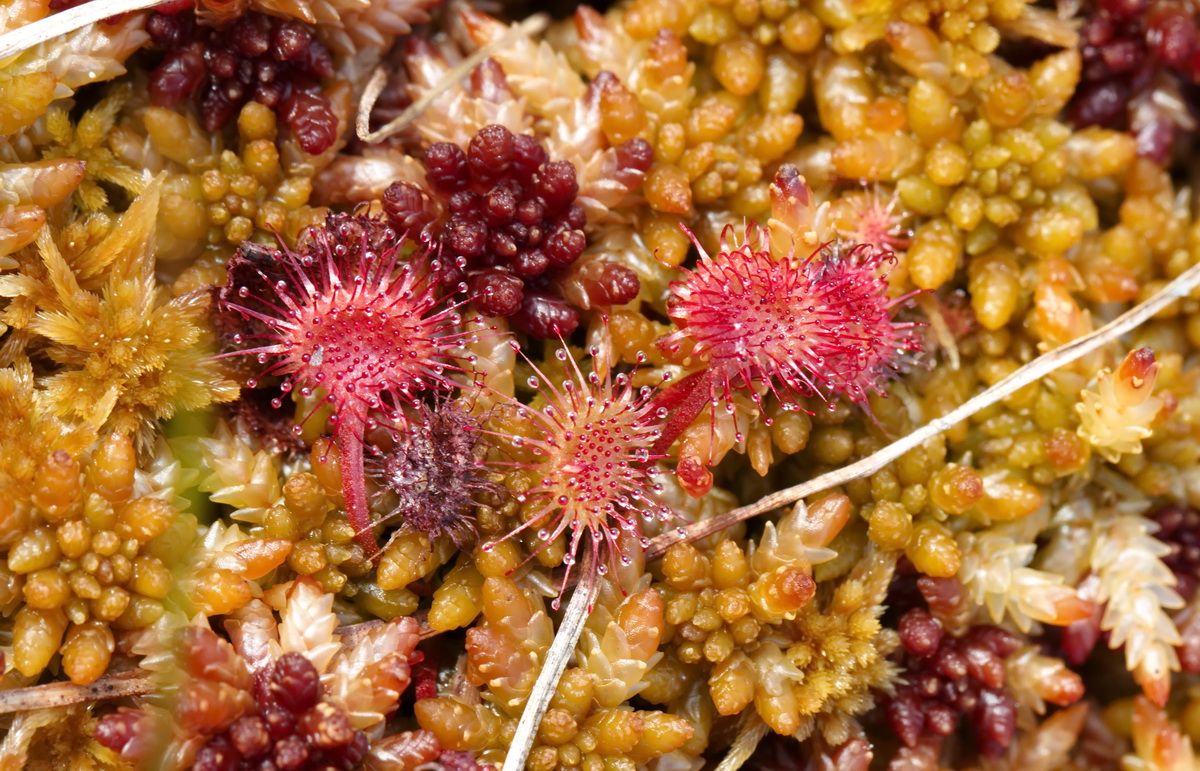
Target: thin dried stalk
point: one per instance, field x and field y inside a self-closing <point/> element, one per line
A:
<point x="64" y="22"/>
<point x="556" y="661"/>
<point x="750" y="733"/>
<point x="362" y="124"/>
<point x="131" y="683"/>
<point x="371" y="92"/>
<point x="1035" y="370"/>
<point x="352" y="634"/>
<point x="941" y="330"/>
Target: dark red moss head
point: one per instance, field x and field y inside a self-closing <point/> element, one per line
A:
<point x="508" y="224"/>
<point x="247" y="708"/>
<point x="1179" y="528"/>
<point x="1141" y="66"/>
<point x="131" y="733"/>
<point x="947" y="679"/>
<point x="275" y="62"/>
<point x="289" y="725"/>
<point x="354" y="318"/>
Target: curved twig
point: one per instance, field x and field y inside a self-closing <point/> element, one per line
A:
<point x="1035" y="370"/>
<point x="362" y="123"/>
<point x="556" y="661"/>
<point x="370" y="95"/>
<point x="23" y="38"/>
<point x="134" y="682"/>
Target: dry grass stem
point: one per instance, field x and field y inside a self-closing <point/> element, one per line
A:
<point x="557" y="657"/>
<point x="64" y="22"/>
<point x="750" y="733"/>
<point x="61" y="694"/>
<point x="362" y="124"/>
<point x="353" y="633"/>
<point x="370" y="95"/>
<point x="1035" y="370"/>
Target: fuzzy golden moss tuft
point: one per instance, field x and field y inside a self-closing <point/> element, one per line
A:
<point x="127" y="355"/>
<point x="825" y="677"/>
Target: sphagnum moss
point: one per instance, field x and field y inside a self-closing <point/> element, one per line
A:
<point x="1017" y="173"/>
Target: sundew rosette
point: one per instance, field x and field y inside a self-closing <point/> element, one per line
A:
<point x="591" y="438"/>
<point x="355" y="314"/>
<point x="820" y="326"/>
